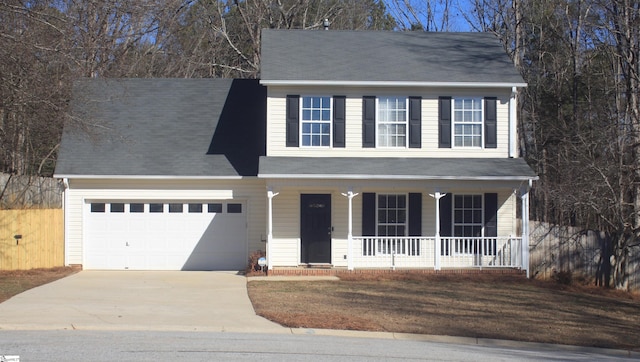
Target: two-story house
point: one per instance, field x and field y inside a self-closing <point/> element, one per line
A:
<point x="354" y="150"/>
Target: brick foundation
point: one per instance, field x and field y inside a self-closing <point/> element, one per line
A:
<point x="305" y="271"/>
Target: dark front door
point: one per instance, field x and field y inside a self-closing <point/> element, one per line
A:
<point x="315" y="228"/>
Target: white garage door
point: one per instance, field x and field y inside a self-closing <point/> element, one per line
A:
<point x="169" y="235"/>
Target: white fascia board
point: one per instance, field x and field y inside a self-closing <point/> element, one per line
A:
<point x="390" y="84"/>
<point x="398" y="177"/>
<point x="146" y="177"/>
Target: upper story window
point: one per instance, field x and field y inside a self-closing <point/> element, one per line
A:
<point x="467" y="122"/>
<point x="392" y="121"/>
<point x="315" y="121"/>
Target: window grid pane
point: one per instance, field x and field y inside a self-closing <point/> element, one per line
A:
<point x="467" y="122"/>
<point x="214" y="208"/>
<point x="392" y="215"/>
<point x="97" y="207"/>
<point x="467" y="222"/>
<point x="316" y="121"/>
<point x="392" y="121"/>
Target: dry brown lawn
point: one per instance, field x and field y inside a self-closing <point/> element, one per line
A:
<point x="14" y="282"/>
<point x="482" y="306"/>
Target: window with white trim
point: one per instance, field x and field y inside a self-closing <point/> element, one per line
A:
<point x="392" y="215"/>
<point x="467" y="221"/>
<point x="467" y="122"/>
<point x="391" y="121"/>
<point x="392" y="221"/>
<point x="315" y="130"/>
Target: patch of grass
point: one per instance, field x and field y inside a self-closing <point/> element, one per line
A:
<point x="483" y="306"/>
<point x="13" y="282"/>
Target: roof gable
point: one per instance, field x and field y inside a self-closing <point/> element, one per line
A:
<point x="385" y="56"/>
<point x="165" y="127"/>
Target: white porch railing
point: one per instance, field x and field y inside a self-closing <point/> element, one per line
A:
<point x="420" y="252"/>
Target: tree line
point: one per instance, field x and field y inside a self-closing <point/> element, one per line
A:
<point x="579" y="125"/>
<point x="579" y="116"/>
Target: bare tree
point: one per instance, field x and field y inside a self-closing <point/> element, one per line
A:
<point x="579" y="114"/>
<point x="33" y="85"/>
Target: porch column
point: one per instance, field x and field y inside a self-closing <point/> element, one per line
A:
<point x="437" y="196"/>
<point x="350" y="194"/>
<point x="525" y="227"/>
<point x="270" y="196"/>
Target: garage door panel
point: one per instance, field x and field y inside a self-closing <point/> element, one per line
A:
<point x="166" y="241"/>
<point x="216" y="243"/>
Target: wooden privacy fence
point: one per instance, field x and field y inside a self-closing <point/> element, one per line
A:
<point x="18" y="192"/>
<point x="555" y="248"/>
<point x="31" y="238"/>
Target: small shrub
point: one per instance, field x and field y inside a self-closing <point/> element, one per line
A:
<point x="253" y="266"/>
<point x="563" y="277"/>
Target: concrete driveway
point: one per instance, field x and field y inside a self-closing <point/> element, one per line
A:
<point x="138" y="300"/>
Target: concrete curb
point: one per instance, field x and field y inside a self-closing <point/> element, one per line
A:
<point x="467" y="341"/>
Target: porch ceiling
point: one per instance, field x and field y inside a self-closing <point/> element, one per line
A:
<point x="507" y="169"/>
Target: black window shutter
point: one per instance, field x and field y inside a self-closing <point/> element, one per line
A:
<point x="490" y="215"/>
<point x="338" y="121"/>
<point x="446" y="223"/>
<point x="415" y="214"/>
<point x="293" y="120"/>
<point x="444" y="122"/>
<point x="368" y="214"/>
<point x="368" y="122"/>
<point x="490" y="123"/>
<point x="415" y="122"/>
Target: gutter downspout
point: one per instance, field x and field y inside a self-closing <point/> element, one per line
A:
<point x="513" y="123"/>
<point x="65" y="211"/>
<point x="525" y="226"/>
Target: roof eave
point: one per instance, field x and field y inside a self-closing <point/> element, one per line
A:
<point x="398" y="177"/>
<point x="145" y="177"/>
<point x="357" y="83"/>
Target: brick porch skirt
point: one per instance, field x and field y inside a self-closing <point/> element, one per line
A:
<point x="323" y="271"/>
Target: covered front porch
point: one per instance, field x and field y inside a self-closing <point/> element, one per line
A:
<point x="502" y="244"/>
<point x="326" y="221"/>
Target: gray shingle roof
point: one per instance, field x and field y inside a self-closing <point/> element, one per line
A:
<point x="337" y="55"/>
<point x="165" y="127"/>
<point x="396" y="168"/>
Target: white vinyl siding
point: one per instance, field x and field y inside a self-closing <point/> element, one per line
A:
<point x="276" y="126"/>
<point x="285" y="247"/>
